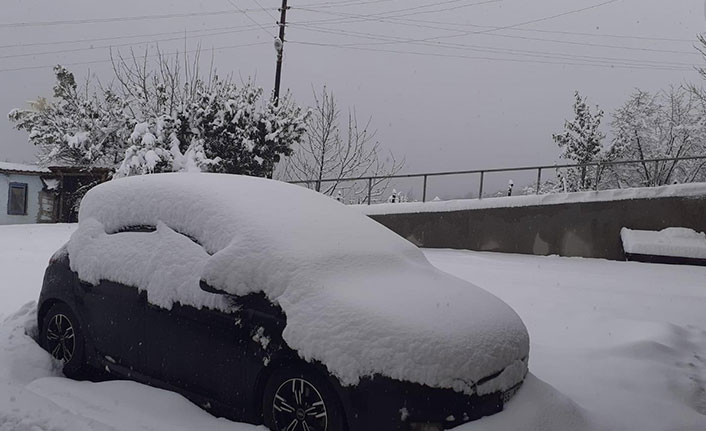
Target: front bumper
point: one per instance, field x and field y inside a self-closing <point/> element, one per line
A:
<point x="385" y="404"/>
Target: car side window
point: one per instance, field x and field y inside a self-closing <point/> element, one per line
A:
<point x="142" y="228"/>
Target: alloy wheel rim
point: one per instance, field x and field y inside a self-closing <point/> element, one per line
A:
<point x="61" y="337"/>
<point x="298" y="406"/>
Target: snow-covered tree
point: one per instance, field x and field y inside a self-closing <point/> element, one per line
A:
<point x="581" y="142"/>
<point x="156" y="148"/>
<point x="162" y="118"/>
<point x="668" y="124"/>
<point x="78" y="127"/>
<point x="327" y="153"/>
<point x="216" y="125"/>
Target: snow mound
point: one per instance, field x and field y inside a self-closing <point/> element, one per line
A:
<point x="536" y="407"/>
<point x="673" y="241"/>
<point x="358" y="298"/>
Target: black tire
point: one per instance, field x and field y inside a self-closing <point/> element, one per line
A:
<point x="299" y="397"/>
<point x="62" y="337"/>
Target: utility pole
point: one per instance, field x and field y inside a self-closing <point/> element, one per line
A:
<point x="279" y="47"/>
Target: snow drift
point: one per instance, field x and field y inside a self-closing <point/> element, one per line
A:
<point x="358" y="298"/>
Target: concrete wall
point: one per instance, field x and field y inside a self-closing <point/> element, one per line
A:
<point x="34" y="189"/>
<point x="589" y="229"/>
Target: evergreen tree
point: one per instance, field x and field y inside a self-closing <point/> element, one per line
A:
<point x="581" y="142"/>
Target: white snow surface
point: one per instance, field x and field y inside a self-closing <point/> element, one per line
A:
<point x="681" y="190"/>
<point x="358" y="298"/>
<point x="615" y="346"/>
<point x="673" y="241"/>
<point x="20" y="167"/>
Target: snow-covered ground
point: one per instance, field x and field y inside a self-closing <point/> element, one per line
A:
<point x="615" y="346"/>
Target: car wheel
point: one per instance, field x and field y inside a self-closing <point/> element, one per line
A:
<point x="61" y="336"/>
<point x="297" y="399"/>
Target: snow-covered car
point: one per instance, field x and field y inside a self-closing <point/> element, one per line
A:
<point x="266" y="302"/>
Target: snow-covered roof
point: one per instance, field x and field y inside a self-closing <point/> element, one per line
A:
<point x="23" y="168"/>
<point x="678" y="190"/>
<point x="358" y="298"/>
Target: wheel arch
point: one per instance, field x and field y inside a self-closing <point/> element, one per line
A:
<point x="44" y="308"/>
<point x="290" y="360"/>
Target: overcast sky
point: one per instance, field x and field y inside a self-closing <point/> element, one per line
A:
<point x="449" y="84"/>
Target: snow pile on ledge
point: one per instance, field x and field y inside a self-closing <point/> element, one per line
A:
<point x="673" y="241"/>
<point x="358" y="298"/>
<point x="679" y="190"/>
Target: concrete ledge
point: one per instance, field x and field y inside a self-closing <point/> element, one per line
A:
<point x="579" y="227"/>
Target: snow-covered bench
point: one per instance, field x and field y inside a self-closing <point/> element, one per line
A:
<point x="674" y="245"/>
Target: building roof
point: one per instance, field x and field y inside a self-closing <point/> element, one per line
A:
<point x="7" y="167"/>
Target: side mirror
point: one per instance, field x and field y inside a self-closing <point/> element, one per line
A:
<point x="210" y="289"/>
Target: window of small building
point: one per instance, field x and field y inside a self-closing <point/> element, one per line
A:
<point x="17" y="199"/>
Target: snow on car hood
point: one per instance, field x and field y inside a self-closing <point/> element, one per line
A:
<point x="358" y="298"/>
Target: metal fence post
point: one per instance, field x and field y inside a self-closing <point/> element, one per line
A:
<point x="424" y="193"/>
<point x="370" y="190"/>
<point x="480" y="189"/>
<point x="598" y="177"/>
<point x="539" y="180"/>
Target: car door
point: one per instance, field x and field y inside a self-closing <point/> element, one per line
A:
<point x="199" y="350"/>
<point x="114" y="315"/>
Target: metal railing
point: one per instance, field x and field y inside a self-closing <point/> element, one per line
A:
<point x="483" y="172"/>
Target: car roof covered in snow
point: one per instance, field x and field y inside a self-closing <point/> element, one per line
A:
<point x="358" y="298"/>
<point x="219" y="210"/>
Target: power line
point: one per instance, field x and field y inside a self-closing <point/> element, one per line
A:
<point x="564" y="42"/>
<point x="513" y="60"/>
<point x="380" y="15"/>
<point x="265" y="10"/>
<point x="496" y="28"/>
<point x="132" y="36"/>
<point x="250" y="18"/>
<point x="466" y="33"/>
<point x="345" y="3"/>
<point x="143" y="42"/>
<point x="119" y="19"/>
<point x="569" y="33"/>
<point x="493" y="49"/>
<point x="83" y="63"/>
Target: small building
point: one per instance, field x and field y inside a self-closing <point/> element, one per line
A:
<point x="29" y="194"/>
<point x="73" y="183"/>
<point x="45" y="195"/>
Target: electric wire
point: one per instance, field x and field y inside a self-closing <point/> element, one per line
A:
<point x="250" y="18"/>
<point x="134" y="43"/>
<point x="119" y="19"/>
<point x="492" y="49"/>
<point x="514" y="60"/>
<point x="83" y="63"/>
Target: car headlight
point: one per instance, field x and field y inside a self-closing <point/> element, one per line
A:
<point x="507" y="395"/>
<point x="418" y="426"/>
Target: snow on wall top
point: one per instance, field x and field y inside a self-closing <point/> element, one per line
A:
<point x="673" y="241"/>
<point x="358" y="298"/>
<point x="678" y="190"/>
<point x="19" y="167"/>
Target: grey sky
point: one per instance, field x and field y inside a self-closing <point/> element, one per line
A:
<point x="451" y="105"/>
